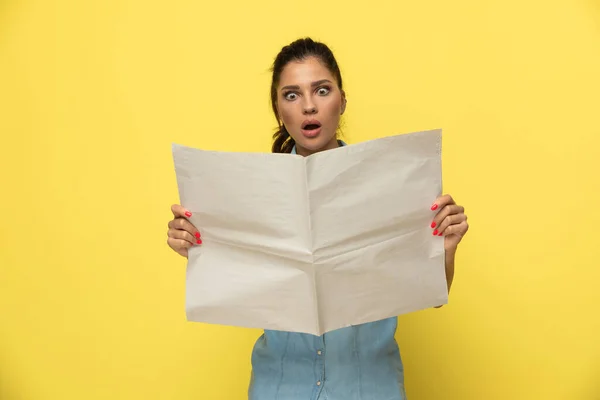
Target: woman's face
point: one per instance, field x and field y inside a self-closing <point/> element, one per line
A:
<point x="310" y="104"/>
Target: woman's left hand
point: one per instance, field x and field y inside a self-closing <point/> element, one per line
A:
<point x="450" y="222"/>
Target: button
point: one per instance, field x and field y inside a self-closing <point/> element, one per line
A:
<point x="319" y="352"/>
<point x="318" y="383"/>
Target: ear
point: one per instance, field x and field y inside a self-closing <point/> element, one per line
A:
<point x="344" y="101"/>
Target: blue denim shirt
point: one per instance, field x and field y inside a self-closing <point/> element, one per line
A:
<point x="359" y="362"/>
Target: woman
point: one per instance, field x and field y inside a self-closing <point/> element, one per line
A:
<point x="357" y="362"/>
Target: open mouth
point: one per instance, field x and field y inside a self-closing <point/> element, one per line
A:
<point x="311" y="125"/>
<point x="311" y="128"/>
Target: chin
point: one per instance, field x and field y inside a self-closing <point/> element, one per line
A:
<point x="314" y="144"/>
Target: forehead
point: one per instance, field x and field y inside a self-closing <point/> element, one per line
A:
<point x="303" y="72"/>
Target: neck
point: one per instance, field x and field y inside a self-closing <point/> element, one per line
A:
<point x="332" y="144"/>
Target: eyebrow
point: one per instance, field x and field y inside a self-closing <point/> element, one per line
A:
<point x="296" y="87"/>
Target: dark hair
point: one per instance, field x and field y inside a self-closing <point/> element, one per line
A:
<point x="297" y="51"/>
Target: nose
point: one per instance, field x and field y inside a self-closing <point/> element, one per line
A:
<point x="310" y="107"/>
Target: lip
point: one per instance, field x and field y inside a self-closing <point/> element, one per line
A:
<point x="311" y="133"/>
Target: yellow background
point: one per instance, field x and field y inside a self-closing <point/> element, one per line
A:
<point x="93" y="93"/>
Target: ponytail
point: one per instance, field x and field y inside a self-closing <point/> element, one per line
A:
<point x="282" y="141"/>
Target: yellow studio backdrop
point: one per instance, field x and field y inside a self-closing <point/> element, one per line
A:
<point x="93" y="93"/>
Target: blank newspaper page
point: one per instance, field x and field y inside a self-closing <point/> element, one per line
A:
<point x="313" y="244"/>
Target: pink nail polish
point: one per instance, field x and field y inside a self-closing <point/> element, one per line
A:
<point x="433" y="224"/>
<point x="199" y="241"/>
<point x="435" y="232"/>
<point x="434" y="207"/>
<point x="197" y="235"/>
<point x="440" y="234"/>
<point x="188" y="214"/>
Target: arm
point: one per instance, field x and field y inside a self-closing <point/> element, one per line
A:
<point x="450" y="269"/>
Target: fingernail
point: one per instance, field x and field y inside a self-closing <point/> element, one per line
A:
<point x="198" y="235"/>
<point x="434" y="207"/>
<point x="435" y="232"/>
<point x="188" y="214"/>
<point x="199" y="241"/>
<point x="433" y="224"/>
<point x="440" y="234"/>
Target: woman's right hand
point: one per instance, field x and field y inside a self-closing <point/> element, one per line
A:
<point x="182" y="234"/>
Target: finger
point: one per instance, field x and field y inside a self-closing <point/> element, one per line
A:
<point x="185" y="225"/>
<point x="445" y="212"/>
<point x="182" y="251"/>
<point x="441" y="202"/>
<point x="180" y="212"/>
<point x="456" y="229"/>
<point x="448" y="221"/>
<point x="184" y="235"/>
<point x="179" y="245"/>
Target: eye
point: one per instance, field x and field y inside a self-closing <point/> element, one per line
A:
<point x="290" y="96"/>
<point x="323" y="91"/>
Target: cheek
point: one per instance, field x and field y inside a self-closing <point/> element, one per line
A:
<point x="287" y="114"/>
<point x="334" y="108"/>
